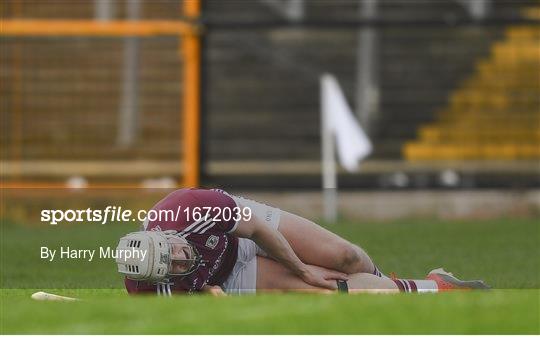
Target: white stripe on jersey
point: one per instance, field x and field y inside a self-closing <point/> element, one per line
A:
<point x="192" y="225"/>
<point x="202" y="226"/>
<point x="208" y="227"/>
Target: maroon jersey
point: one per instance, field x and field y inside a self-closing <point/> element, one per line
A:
<point x="210" y="235"/>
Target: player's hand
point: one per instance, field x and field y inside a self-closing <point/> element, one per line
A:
<point x="322" y="277"/>
<point x="215" y="291"/>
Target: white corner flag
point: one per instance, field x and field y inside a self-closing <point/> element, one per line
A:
<point x="338" y="124"/>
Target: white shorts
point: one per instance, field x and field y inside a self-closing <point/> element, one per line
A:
<point x="243" y="278"/>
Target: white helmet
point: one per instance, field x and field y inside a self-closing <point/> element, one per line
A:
<point x="159" y="263"/>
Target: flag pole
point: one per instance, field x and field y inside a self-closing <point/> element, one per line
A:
<point x="329" y="177"/>
<point x="340" y="127"/>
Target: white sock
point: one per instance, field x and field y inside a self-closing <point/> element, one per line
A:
<point x="423" y="285"/>
<point x="416" y="285"/>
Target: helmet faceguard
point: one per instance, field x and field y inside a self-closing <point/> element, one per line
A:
<point x="184" y="257"/>
<point x="168" y="256"/>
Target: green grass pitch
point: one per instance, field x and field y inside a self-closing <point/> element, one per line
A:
<point x="505" y="253"/>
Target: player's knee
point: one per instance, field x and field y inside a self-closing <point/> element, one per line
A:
<point x="350" y="259"/>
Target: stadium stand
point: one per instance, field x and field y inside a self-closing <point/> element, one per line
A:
<point x="495" y="114"/>
<point x="419" y="68"/>
<point x="60" y="96"/>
